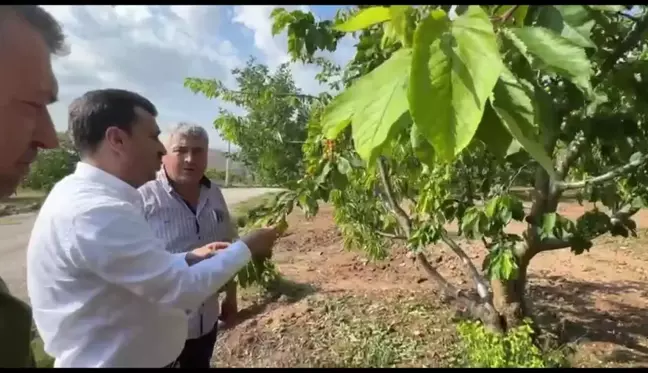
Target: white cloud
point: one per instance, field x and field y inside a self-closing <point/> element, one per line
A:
<point x="151" y="49"/>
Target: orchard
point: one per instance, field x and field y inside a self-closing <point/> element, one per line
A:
<point x="444" y="111"/>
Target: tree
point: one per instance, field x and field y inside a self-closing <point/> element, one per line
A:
<point x="51" y="166"/>
<point x="271" y="133"/>
<point x="441" y="114"/>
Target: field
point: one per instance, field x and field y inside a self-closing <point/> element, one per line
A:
<point x="337" y="309"/>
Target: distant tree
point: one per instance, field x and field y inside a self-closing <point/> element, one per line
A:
<point x="271" y="132"/>
<point x="51" y="166"/>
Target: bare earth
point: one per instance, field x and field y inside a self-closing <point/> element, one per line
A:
<point x="15" y="231"/>
<point x="340" y="310"/>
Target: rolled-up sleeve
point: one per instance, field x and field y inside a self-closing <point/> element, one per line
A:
<point x="117" y="245"/>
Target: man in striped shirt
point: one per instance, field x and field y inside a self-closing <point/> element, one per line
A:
<point x="185" y="211"/>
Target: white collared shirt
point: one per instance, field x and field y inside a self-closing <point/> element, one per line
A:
<point x="104" y="291"/>
<point x="182" y="229"/>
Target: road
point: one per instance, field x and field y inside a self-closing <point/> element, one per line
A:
<point x="15" y="231"/>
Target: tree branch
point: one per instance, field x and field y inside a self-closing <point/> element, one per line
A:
<point x="551" y="244"/>
<point x="561" y="185"/>
<point x="391" y="235"/>
<point x="483" y="310"/>
<point x="401" y="215"/>
<point x="478" y="279"/>
<point x="509" y="13"/>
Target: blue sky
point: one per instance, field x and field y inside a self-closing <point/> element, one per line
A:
<point x="151" y="49"/>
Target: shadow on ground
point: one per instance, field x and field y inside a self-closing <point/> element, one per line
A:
<point x="284" y="291"/>
<point x="570" y="306"/>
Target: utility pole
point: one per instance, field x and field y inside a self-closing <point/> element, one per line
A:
<point x="227" y="165"/>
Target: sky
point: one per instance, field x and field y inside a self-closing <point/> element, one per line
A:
<point x="151" y="49"/>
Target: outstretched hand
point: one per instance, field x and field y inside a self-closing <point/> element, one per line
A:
<point x="207" y="251"/>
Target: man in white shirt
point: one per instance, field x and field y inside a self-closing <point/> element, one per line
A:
<point x="104" y="291"/>
<point x="186" y="210"/>
<point x="28" y="37"/>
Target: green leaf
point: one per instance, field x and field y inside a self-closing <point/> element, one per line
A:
<point x="381" y="100"/>
<point x="558" y="55"/>
<point x="325" y="172"/>
<point x="608" y="8"/>
<point x="400" y="23"/>
<point x="365" y="18"/>
<point x="548" y="224"/>
<point x="454" y="68"/>
<point x="374" y="102"/>
<point x="493" y="134"/>
<point x="422" y="148"/>
<point x="572" y="22"/>
<point x="511" y="101"/>
<point x="343" y="165"/>
<point x="513" y="105"/>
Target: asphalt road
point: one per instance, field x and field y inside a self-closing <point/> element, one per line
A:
<point x="15" y="231"/>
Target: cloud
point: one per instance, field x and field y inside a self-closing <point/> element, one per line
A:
<point x="151" y="49"/>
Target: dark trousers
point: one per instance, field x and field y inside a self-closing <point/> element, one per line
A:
<point x="197" y="352"/>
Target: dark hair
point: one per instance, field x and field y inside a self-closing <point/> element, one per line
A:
<point x="41" y="21"/>
<point x="93" y="113"/>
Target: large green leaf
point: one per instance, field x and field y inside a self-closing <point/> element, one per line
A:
<point x="365" y="18"/>
<point x="558" y="55"/>
<point x="454" y="68"/>
<point x="373" y="104"/>
<point x="512" y="102"/>
<point x="382" y="101"/>
<point x="572" y="22"/>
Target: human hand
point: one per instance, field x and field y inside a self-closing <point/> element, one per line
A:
<point x="207" y="251"/>
<point x="260" y="242"/>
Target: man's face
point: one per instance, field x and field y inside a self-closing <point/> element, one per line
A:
<point x="186" y="159"/>
<point x="143" y="150"/>
<point x="27" y="86"/>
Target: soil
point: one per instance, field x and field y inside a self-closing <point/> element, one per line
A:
<point x="339" y="309"/>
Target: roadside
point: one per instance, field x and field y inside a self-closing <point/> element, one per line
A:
<point x="25" y="200"/>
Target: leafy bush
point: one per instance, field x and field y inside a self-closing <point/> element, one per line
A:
<point x="482" y="348"/>
<point x="49" y="167"/>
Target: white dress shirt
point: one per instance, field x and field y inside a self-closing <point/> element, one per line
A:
<point x="183" y="228"/>
<point x="104" y="291"/>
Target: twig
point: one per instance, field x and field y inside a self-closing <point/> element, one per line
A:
<point x="603" y="178"/>
<point x="510" y="184"/>
<point x="391" y="235"/>
<point x="509" y="13"/>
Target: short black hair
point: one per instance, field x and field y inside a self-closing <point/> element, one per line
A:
<point x="43" y="22"/>
<point x="93" y="113"/>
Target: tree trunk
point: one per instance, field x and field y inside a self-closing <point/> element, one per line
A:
<point x="509" y="299"/>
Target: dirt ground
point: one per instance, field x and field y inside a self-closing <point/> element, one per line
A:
<point x="338" y="309"/>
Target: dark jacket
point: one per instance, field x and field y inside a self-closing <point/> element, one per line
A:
<point x="15" y="331"/>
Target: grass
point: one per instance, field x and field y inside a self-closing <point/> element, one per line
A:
<point x="344" y="330"/>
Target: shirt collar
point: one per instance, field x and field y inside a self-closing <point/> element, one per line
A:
<point x="90" y="172"/>
<point x="163" y="177"/>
